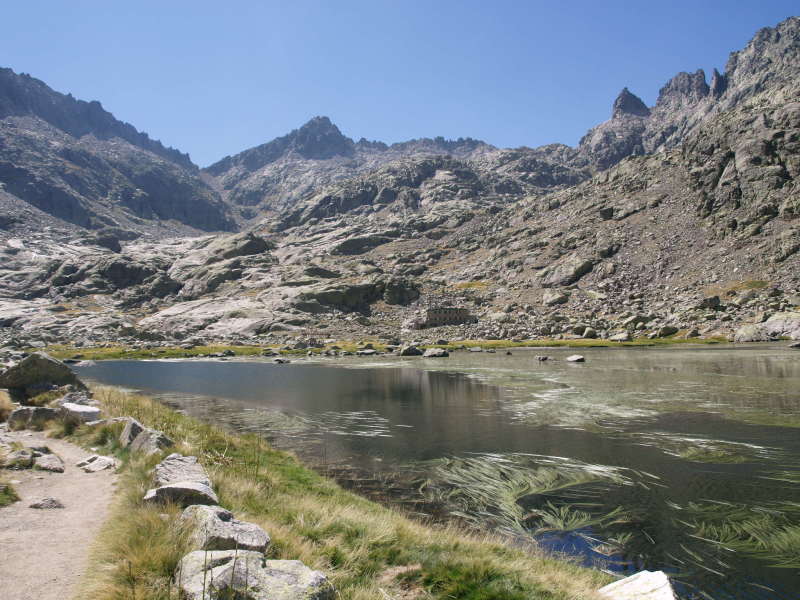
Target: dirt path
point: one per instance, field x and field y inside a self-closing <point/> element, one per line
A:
<point x="44" y="553"/>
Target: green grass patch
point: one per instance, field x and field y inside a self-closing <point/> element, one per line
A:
<point x="310" y="518"/>
<point x="577" y="343"/>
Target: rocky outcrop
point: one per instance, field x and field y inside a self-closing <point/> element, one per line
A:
<point x="230" y="573"/>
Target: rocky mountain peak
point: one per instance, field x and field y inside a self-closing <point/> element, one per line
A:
<point x="684" y="88"/>
<point x="24" y="96"/>
<point x="628" y="103"/>
<point x="320" y="139"/>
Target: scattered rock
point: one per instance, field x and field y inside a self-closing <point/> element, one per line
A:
<point x="795" y="346"/>
<point x="216" y="529"/>
<point x="553" y="297"/>
<point x="575" y="358"/>
<point x="46" y="503"/>
<point x="96" y="463"/>
<point x="435" y="353"/>
<point x="542" y="358"/>
<point x="226" y="573"/>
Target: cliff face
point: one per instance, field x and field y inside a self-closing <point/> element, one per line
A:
<point x="75" y="161"/>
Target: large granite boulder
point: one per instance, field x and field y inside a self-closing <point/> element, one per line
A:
<point x="248" y="576"/>
<point x="38" y="370"/>
<point x="410" y="351"/>
<point x="216" y="529"/>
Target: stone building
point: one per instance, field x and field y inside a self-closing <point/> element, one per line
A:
<point x="435" y="316"/>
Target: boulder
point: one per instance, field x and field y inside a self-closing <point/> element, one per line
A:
<point x="150" y="441"/>
<point x="410" y="351"/>
<point x="435" y="353"/>
<point x="38" y="369"/>
<point x="622" y="336"/>
<point x="248" y="575"/>
<point x="49" y="462"/>
<point x="575" y="358"/>
<point x="216" y="529"/>
<point x="783" y="324"/>
<point x="79" y="413"/>
<point x="553" y="297"/>
<point x="567" y="273"/>
<point x="645" y="585"/>
<point x="31" y="417"/>
<point x="183" y="493"/>
<point x="177" y="468"/>
<point x="667" y="330"/>
<point x="795" y="346"/>
<point x="132" y="429"/>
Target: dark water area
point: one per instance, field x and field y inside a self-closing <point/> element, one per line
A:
<point x="686" y="460"/>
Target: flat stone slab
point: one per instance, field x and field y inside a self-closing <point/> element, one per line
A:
<point x="182" y="493"/>
<point x="80" y="413"/>
<point x="216" y="529"/>
<point x="248" y="575"/>
<point x="176" y="467"/>
<point x="645" y="585"/>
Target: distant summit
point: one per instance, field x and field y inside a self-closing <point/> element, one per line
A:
<point x="629" y="104"/>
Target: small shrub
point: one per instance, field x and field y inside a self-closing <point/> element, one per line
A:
<point x="6" y="406"/>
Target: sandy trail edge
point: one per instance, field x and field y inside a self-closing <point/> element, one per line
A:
<point x="44" y="553"/>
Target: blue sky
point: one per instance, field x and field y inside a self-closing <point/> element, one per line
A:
<point x="214" y="78"/>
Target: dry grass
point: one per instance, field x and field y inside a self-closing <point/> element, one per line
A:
<point x="309" y="518"/>
<point x="6" y="406"/>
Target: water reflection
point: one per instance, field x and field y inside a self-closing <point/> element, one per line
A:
<point x="616" y="460"/>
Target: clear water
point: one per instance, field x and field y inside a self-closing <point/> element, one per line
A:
<point x="651" y="454"/>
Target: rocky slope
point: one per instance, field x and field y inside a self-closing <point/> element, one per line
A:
<point x="75" y="161"/>
<point x="682" y="217"/>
